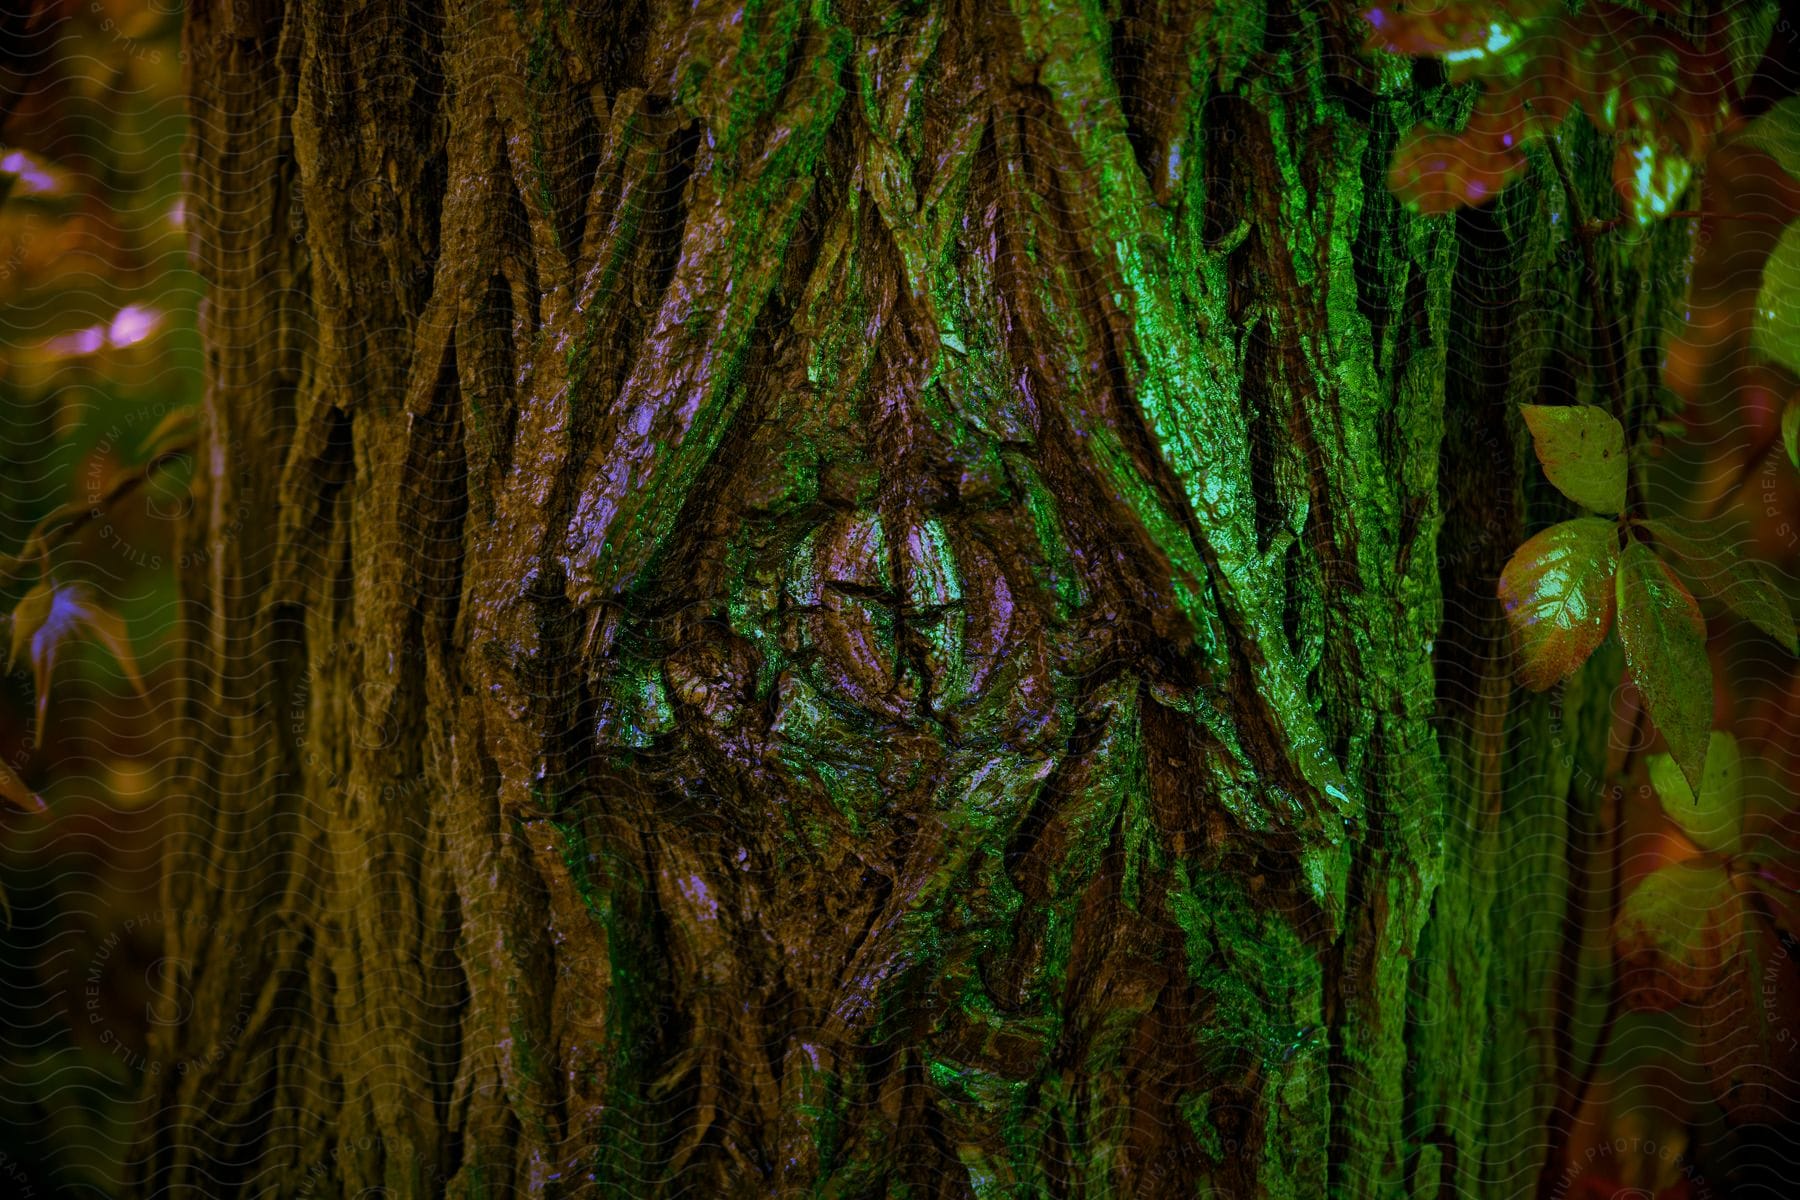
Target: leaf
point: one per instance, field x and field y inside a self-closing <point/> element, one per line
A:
<point x="1558" y="594"/>
<point x="1790" y="431"/>
<point x="1714" y="819"/>
<point x="1775" y="328"/>
<point x="1677" y="932"/>
<point x="48" y="616"/>
<point x="1664" y="637"/>
<point x="1777" y="134"/>
<point x="14" y="791"/>
<point x="1709" y="553"/>
<point x="1752" y="24"/>
<point x="1583" y="452"/>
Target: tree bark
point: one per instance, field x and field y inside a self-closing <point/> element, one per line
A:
<point x="864" y="600"/>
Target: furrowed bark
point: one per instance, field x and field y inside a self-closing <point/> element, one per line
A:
<point x="852" y="600"/>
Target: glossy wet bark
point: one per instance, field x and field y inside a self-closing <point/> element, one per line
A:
<point x="864" y="601"/>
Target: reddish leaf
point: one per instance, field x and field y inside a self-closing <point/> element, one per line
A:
<point x="1677" y="932"/>
<point x="1582" y="449"/>
<point x="1558" y="593"/>
<point x="1536" y="62"/>
<point x="1440" y="29"/>
<point x="1441" y="172"/>
<point x="1664" y="637"/>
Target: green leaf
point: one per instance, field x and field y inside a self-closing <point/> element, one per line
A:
<point x="1677" y="932"/>
<point x="1751" y="24"/>
<point x="1583" y="452"/>
<point x="1777" y="134"/>
<point x="1664" y="637"/>
<point x="1790" y="431"/>
<point x="1709" y="553"/>
<point x="1558" y="595"/>
<point x="1775" y="329"/>
<point x="1714" y="819"/>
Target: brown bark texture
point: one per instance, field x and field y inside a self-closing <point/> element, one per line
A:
<point x="859" y="600"/>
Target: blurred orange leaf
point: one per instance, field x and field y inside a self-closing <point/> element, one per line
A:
<point x="14" y="791"/>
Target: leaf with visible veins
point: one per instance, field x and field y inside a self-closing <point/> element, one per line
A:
<point x="1664" y="637"/>
<point x="1558" y="593"/>
<point x="1582" y="449"/>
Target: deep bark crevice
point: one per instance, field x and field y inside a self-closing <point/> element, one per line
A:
<point x="822" y="566"/>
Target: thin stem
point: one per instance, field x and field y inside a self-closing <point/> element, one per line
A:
<point x="1694" y="214"/>
<point x="1569" y="1104"/>
<point x="1592" y="259"/>
<point x="63" y="522"/>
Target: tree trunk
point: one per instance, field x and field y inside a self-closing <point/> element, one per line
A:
<point x="864" y="600"/>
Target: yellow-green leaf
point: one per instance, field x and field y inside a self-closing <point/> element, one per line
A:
<point x="175" y="433"/>
<point x="1664" y="637"/>
<point x="1714" y="818"/>
<point x="1582" y="449"/>
<point x="1558" y="595"/>
<point x="1777" y="134"/>
<point x="1677" y="932"/>
<point x="1710" y="555"/>
<point x="1790" y="431"/>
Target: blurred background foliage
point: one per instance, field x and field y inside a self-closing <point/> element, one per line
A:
<point x="97" y="348"/>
